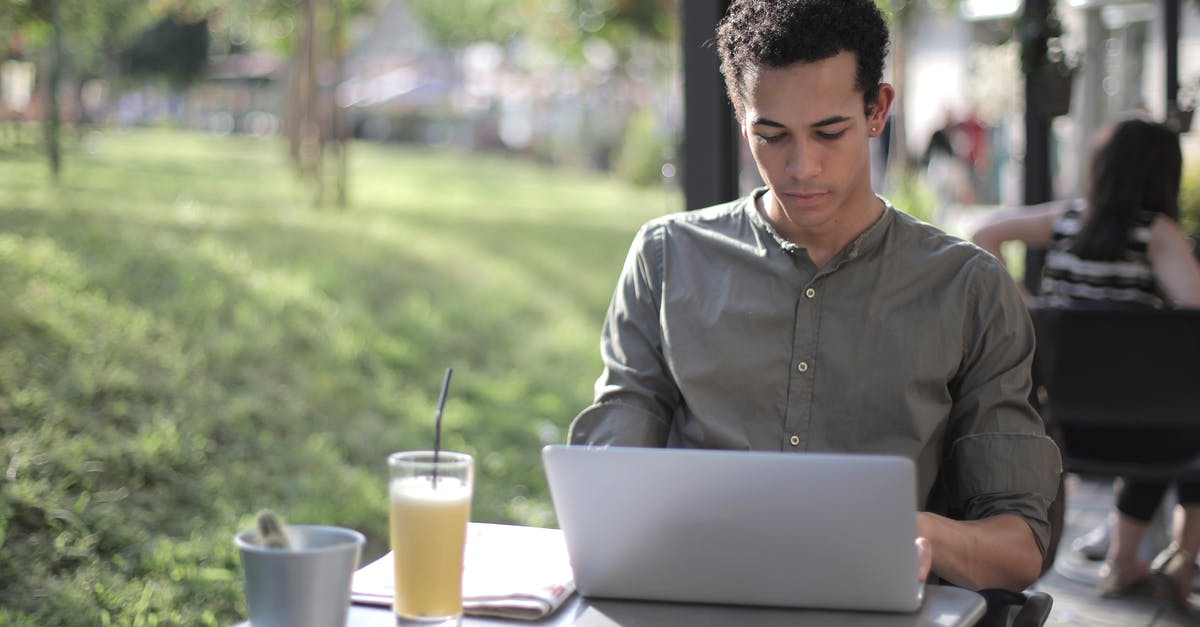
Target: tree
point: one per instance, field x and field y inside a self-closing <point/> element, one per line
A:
<point x="172" y="38"/>
<point x="43" y="19"/>
<point x="314" y="124"/>
<point x="69" y="39"/>
<point x="312" y="34"/>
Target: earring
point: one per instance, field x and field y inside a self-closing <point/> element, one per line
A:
<point x="872" y="129"/>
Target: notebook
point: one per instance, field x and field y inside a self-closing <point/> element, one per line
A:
<point x="812" y="530"/>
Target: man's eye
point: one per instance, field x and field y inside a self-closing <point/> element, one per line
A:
<point x="831" y="135"/>
<point x="770" y="139"/>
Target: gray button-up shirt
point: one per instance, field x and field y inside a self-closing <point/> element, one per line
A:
<point x="722" y="334"/>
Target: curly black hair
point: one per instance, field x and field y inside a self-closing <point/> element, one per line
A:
<point x="777" y="33"/>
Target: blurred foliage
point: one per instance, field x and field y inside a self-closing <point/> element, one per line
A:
<point x="274" y="25"/>
<point x="901" y="11"/>
<point x="184" y="340"/>
<point x="563" y="25"/>
<point x="99" y="31"/>
<point x="174" y="48"/>
<point x="1189" y="199"/>
<point x="914" y="196"/>
<point x="646" y="147"/>
<point x="96" y="30"/>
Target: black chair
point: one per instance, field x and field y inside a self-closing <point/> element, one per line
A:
<point x="1110" y="376"/>
<point x="1015" y="609"/>
<point x="1110" y="372"/>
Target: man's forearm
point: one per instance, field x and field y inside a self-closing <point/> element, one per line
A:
<point x="996" y="552"/>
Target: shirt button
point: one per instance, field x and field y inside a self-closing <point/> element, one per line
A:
<point x="802" y="366"/>
<point x="810" y="292"/>
<point x="795" y="440"/>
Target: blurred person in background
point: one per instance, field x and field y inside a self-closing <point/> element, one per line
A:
<point x="946" y="168"/>
<point x="1121" y="246"/>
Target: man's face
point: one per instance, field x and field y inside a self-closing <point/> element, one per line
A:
<point x="808" y="132"/>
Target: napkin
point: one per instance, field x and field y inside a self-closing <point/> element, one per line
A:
<point x="509" y="571"/>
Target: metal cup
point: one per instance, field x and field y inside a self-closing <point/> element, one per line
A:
<point x="307" y="585"/>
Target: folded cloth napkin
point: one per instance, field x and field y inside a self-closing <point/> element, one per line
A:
<point x="509" y="571"/>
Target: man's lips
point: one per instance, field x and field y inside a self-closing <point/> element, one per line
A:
<point x="805" y="198"/>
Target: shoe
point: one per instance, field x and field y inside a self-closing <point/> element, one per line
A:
<point x="1093" y="545"/>
<point x="1175" y="567"/>
<point x="1114" y="582"/>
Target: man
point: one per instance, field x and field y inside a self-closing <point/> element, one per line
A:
<point x="813" y="316"/>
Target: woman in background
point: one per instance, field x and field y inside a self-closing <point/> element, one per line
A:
<point x="1122" y="246"/>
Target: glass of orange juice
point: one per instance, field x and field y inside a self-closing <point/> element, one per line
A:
<point x="430" y="506"/>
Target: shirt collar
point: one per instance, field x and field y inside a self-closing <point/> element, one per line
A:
<point x="760" y="221"/>
<point x="866" y="241"/>
<point x="870" y="238"/>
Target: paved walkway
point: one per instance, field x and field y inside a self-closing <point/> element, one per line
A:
<point x="1069" y="582"/>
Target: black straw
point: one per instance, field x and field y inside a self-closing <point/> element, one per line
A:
<point x="437" y="430"/>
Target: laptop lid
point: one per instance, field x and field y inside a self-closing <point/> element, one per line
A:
<point x="814" y="530"/>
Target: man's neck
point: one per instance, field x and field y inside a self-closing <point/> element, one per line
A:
<point x="823" y="241"/>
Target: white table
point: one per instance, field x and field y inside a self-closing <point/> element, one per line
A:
<point x="944" y="606"/>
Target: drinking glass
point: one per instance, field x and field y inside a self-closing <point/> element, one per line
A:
<point x="430" y="498"/>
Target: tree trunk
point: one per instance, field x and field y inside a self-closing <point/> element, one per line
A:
<point x="292" y="107"/>
<point x="310" y="119"/>
<point x="338" y="135"/>
<point x="302" y="111"/>
<point x="53" y="121"/>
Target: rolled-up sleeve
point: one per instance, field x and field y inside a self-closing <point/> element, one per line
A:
<point x="635" y="395"/>
<point x="1002" y="460"/>
<point x="1008" y="473"/>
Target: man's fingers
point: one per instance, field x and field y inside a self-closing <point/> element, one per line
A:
<point x="924" y="558"/>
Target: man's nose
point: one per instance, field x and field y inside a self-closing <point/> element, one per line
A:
<point x="805" y="160"/>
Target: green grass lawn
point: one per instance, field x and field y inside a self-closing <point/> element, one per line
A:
<point x="184" y="340"/>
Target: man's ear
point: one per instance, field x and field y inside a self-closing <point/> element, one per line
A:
<point x="879" y="109"/>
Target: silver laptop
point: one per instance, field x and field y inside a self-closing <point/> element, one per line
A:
<point x="831" y="531"/>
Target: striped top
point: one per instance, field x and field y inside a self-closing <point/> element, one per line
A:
<point x="1067" y="280"/>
